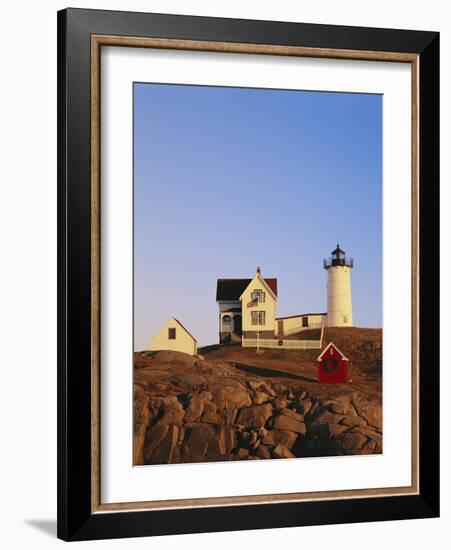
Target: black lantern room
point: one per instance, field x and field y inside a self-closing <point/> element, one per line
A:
<point x="338" y="257"/>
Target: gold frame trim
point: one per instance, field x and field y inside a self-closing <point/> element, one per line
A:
<point x="97" y="41"/>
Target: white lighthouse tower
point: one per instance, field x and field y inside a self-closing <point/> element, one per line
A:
<point x="339" y="301"/>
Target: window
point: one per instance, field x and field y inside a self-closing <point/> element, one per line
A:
<point x="226" y="322"/>
<point x="305" y="321"/>
<point x="258" y="295"/>
<point x="258" y="317"/>
<point x="171" y="333"/>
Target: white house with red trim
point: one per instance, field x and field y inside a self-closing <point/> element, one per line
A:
<point x="173" y="336"/>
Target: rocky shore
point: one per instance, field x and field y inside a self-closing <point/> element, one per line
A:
<point x="208" y="408"/>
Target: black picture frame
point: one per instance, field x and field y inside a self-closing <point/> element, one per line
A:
<point x="76" y="521"/>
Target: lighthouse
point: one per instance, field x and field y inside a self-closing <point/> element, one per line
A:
<point x="339" y="301"/>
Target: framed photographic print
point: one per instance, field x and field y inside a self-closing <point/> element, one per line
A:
<point x="248" y="274"/>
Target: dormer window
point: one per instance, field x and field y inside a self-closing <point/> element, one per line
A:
<point x="258" y="295"/>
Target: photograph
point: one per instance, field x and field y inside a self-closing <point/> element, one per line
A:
<point x="257" y="274"/>
<point x="248" y="272"/>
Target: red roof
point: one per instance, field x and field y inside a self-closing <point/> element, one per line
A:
<point x="272" y="283"/>
<point x="336" y="348"/>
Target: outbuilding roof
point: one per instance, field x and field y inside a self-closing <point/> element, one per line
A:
<point x="185" y="329"/>
<point x="331" y="344"/>
<point x="231" y="289"/>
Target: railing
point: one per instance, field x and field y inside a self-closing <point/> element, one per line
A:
<point x="348" y="262"/>
<point x="300" y="329"/>
<point x="280" y="344"/>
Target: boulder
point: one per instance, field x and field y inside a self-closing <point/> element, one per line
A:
<point x="370" y="411"/>
<point x="216" y="368"/>
<point x="292" y="414"/>
<point x="282" y="452"/>
<point x="138" y="444"/>
<point x="182" y="432"/>
<point x="304" y="406"/>
<point x="353" y="441"/>
<point x="280" y="403"/>
<point x="242" y="453"/>
<point x="153" y="438"/>
<point x="169" y="400"/>
<point x="371" y="434"/>
<point x="229" y="413"/>
<point x="210" y="414"/>
<point x="229" y="391"/>
<point x="196" y="443"/>
<point x="195" y="409"/>
<point x="173" y="413"/>
<point x="337" y="429"/>
<point x="263" y="452"/>
<point x="207" y="395"/>
<point x="338" y="407"/>
<point x="341" y="397"/>
<point x="315" y="406"/>
<point x="164" y="451"/>
<point x="138" y="391"/>
<point x="141" y="410"/>
<point x="268" y="389"/>
<point x="327" y="417"/>
<point x="255" y="416"/>
<point x="370" y="447"/>
<point x="280" y="437"/>
<point x="188" y="381"/>
<point x="159" y="387"/>
<point x="353" y="421"/>
<point x="174" y="357"/>
<point x="254" y="384"/>
<point x="226" y="439"/>
<point x="282" y="422"/>
<point x="261" y="397"/>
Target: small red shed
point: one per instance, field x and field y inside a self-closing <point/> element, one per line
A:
<point x="333" y="366"/>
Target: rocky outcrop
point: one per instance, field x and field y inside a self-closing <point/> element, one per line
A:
<point x="198" y="410"/>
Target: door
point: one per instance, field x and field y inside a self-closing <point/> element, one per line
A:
<point x="238" y="325"/>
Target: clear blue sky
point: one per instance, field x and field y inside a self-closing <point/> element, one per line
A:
<point x="226" y="179"/>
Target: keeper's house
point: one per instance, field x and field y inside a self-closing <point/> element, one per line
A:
<point x="245" y="306"/>
<point x="249" y="305"/>
<point x="173" y="336"/>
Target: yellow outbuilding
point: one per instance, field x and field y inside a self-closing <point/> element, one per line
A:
<point x="173" y="336"/>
